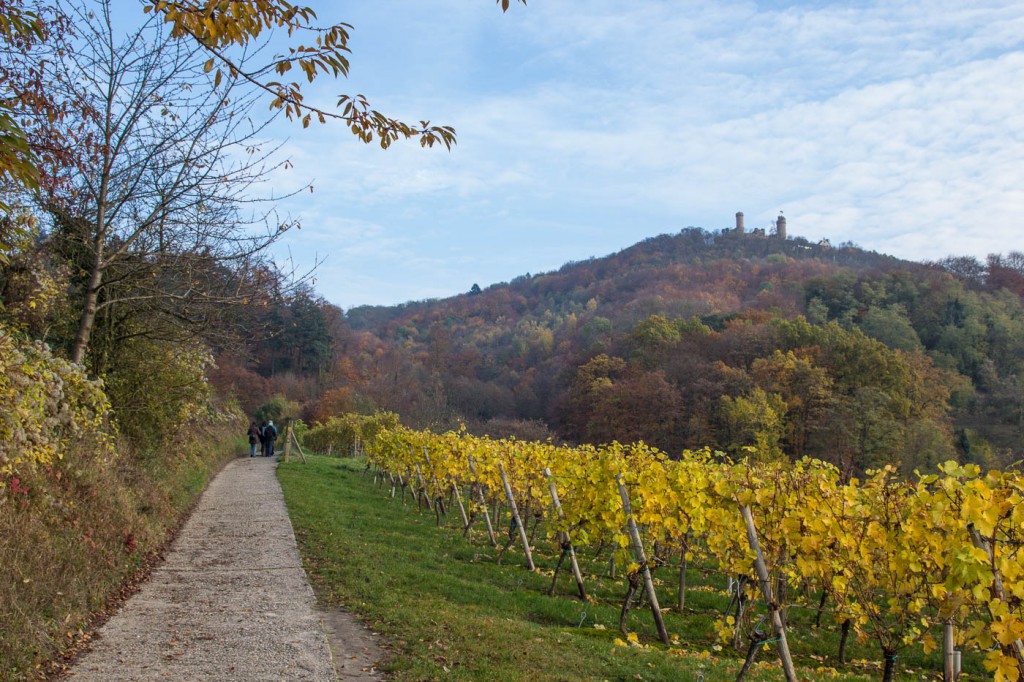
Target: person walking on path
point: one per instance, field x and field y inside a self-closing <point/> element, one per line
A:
<point x="263" y="437"/>
<point x="269" y="436"/>
<point x="254" y="438"/>
<point x="230" y="602"/>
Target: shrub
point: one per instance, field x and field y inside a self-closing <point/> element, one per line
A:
<point x="158" y="390"/>
<point x="276" y="409"/>
<point x="48" y="405"/>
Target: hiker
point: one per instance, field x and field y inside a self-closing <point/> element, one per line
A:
<point x="254" y="438"/>
<point x="269" y="436"/>
<point x="263" y="437"/>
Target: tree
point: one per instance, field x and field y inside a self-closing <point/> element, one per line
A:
<point x="226" y="35"/>
<point x="277" y="409"/>
<point x="805" y="388"/>
<point x="295" y="333"/>
<point x="593" y="381"/>
<point x="1006" y="272"/>
<point x="967" y="268"/>
<point x="891" y="326"/>
<point x="220" y="26"/>
<point x="653" y="338"/>
<point x="222" y="30"/>
<point x="157" y="200"/>
<point x="26" y="31"/>
<point x="756" y="419"/>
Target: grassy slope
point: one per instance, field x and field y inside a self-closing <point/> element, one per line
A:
<point x="79" y="538"/>
<point x="449" y="611"/>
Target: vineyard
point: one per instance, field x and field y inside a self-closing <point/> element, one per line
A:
<point x="931" y="563"/>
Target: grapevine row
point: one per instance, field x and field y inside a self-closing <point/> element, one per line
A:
<point x="897" y="558"/>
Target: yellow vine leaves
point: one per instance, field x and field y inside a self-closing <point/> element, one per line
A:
<point x="898" y="557"/>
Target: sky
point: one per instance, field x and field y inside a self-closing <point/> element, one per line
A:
<point x="585" y="127"/>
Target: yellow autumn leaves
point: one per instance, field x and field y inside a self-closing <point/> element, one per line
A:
<point x="48" y="404"/>
<point x="896" y="557"/>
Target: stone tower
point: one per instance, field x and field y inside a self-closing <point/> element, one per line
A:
<point x="739" y="222"/>
<point x="780" y="227"/>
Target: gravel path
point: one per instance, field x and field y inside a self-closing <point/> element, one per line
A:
<point x="231" y="601"/>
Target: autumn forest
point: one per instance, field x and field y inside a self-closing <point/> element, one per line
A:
<point x="683" y="341"/>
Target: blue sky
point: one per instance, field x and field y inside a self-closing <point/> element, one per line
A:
<point x="585" y="127"/>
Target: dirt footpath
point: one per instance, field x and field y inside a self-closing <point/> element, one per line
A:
<point x="231" y="601"/>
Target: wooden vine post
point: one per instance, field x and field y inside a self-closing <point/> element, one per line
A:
<point x="462" y="508"/>
<point x="287" y="440"/>
<point x="516" y="518"/>
<point x="564" y="540"/>
<point x="997" y="589"/>
<point x="295" y="439"/>
<point x="483" y="504"/>
<point x="766" y="589"/>
<point x="681" y="600"/>
<point x="948" y="651"/>
<point x="638" y="551"/>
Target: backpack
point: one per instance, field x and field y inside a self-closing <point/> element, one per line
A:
<point x="270" y="432"/>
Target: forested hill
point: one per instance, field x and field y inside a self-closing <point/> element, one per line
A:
<point x="667" y="267"/>
<point x="713" y="339"/>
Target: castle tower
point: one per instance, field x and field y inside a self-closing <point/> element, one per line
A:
<point x="780" y="227"/>
<point x="739" y="222"/>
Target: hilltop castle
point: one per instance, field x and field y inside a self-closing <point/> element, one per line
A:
<point x="780" y="226"/>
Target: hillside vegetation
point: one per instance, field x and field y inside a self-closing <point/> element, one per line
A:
<point x="83" y="510"/>
<point x="691" y="340"/>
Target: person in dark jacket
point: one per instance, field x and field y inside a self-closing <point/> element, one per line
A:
<point x="254" y="438"/>
<point x="269" y="436"/>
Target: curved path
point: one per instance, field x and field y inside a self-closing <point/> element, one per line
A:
<point x="231" y="601"/>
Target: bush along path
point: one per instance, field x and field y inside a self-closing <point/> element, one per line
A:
<point x="231" y="601"/>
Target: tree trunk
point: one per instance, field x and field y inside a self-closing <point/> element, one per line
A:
<point x="565" y="541"/>
<point x="88" y="319"/>
<point x="842" y="640"/>
<point x="634" y="585"/>
<point x="756" y="644"/>
<point x="821" y="607"/>
<point x="558" y="567"/>
<point x="997" y="589"/>
<point x="638" y="552"/>
<point x="890" y="667"/>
